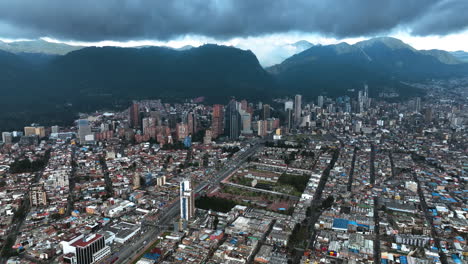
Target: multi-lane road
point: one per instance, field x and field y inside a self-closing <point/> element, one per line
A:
<point x="150" y="233"/>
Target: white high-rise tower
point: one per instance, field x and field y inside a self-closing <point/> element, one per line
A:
<point x="187" y="200"/>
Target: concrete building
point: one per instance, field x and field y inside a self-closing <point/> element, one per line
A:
<point x="208" y="137"/>
<point x="83" y="249"/>
<point x="29" y="131"/>
<point x="266" y="111"/>
<point x="83" y="130"/>
<point x="187" y="200"/>
<point x="233" y="121"/>
<point x="135" y="115"/>
<point x="7" y="137"/>
<point x="297" y="108"/>
<point x="37" y="195"/>
<point x="217" y="123"/>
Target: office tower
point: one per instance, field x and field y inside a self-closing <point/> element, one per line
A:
<point x="233" y="121"/>
<point x="208" y="136"/>
<point x="147" y="124"/>
<point x="260" y="106"/>
<point x="217" y="123"/>
<point x="29" y="131"/>
<point x="40" y="131"/>
<point x="83" y="130"/>
<point x="266" y="111"/>
<point x="83" y="249"/>
<point x="297" y="108"/>
<point x="135" y="115"/>
<point x="288" y="105"/>
<point x="37" y="195"/>
<point x="418" y="105"/>
<point x="192" y="122"/>
<point x="181" y="131"/>
<point x="262" y="128"/>
<point x="289" y="119"/>
<point x="246" y="122"/>
<point x="7" y="137"/>
<point x="172" y="120"/>
<point x="55" y="129"/>
<point x="320" y="101"/>
<point x="187" y="200"/>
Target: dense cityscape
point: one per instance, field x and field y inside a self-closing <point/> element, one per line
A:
<point x="361" y="178"/>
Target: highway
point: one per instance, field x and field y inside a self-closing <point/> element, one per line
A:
<point x="150" y="233"/>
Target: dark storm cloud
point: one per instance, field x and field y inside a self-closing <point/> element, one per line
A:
<point x="91" y="20"/>
<point x="443" y="18"/>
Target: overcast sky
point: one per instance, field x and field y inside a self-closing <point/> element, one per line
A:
<point x="425" y="24"/>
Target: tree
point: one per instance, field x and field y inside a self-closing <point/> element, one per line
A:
<point x="215" y="222"/>
<point x="327" y="203"/>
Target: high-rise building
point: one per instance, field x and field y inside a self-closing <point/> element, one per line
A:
<point x="208" y="137"/>
<point x="192" y="122"/>
<point x="233" y="121"/>
<point x="428" y="115"/>
<point x="7" y="137"/>
<point x="259" y="105"/>
<point x="147" y="124"/>
<point x="262" y="129"/>
<point x="55" y="129"/>
<point x="35" y="130"/>
<point x="182" y="131"/>
<point x="418" y="104"/>
<point x="246" y="122"/>
<point x="288" y="105"/>
<point x="40" y="131"/>
<point x="266" y="111"/>
<point x="83" y="130"/>
<point x="135" y="115"/>
<point x="217" y="123"/>
<point x="320" y="101"/>
<point x="297" y="109"/>
<point x="37" y="195"/>
<point x="187" y="200"/>
<point x="29" y="131"/>
<point x="83" y="249"/>
<point x="289" y="119"/>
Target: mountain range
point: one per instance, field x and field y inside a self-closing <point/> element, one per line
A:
<point x="52" y="89"/>
<point x="382" y="63"/>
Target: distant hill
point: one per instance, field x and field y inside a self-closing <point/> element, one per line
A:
<point x="382" y="63"/>
<point x="443" y="56"/>
<point x="95" y="78"/>
<point x="210" y="70"/>
<point x="37" y="46"/>
<point x="461" y="55"/>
